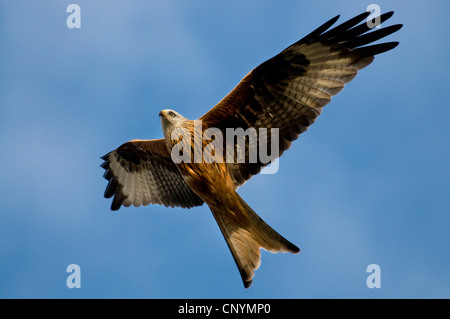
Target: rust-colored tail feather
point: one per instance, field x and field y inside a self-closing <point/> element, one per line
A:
<point x="246" y="239"/>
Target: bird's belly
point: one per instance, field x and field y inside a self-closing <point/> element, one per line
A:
<point x="210" y="181"/>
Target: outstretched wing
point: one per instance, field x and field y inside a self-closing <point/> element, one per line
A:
<point x="289" y="90"/>
<point x="141" y="172"/>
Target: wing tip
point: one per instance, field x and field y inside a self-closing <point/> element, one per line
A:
<point x="294" y="249"/>
<point x="116" y="207"/>
<point x="387" y="15"/>
<point x="318" y="31"/>
<point x="117" y="201"/>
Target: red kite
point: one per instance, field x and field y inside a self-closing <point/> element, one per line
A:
<point x="285" y="93"/>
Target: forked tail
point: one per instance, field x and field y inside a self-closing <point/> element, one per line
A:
<point x="245" y="233"/>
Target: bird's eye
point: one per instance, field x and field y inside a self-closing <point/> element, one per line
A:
<point x="171" y="114"/>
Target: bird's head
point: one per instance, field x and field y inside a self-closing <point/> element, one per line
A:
<point x="171" y="119"/>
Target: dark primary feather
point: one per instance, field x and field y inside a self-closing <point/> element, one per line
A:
<point x="288" y="91"/>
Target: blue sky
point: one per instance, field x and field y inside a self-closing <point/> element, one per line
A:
<point x="367" y="184"/>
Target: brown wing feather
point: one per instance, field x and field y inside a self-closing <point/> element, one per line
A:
<point x="141" y="172"/>
<point x="289" y="90"/>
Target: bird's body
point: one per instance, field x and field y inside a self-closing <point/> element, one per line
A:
<point x="275" y="102"/>
<point x="243" y="230"/>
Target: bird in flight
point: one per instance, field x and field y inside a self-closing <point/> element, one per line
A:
<point x="206" y="160"/>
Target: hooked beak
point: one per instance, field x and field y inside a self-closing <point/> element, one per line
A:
<point x="162" y="114"/>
